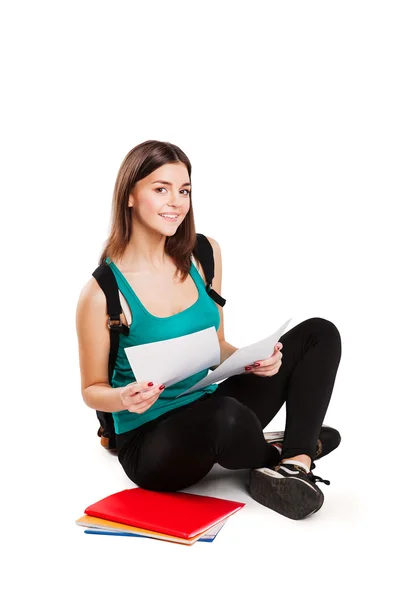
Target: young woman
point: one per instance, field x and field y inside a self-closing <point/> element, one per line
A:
<point x="168" y="444"/>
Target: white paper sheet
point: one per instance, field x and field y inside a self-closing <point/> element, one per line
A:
<point x="173" y="360"/>
<point x="170" y="361"/>
<point x="237" y="362"/>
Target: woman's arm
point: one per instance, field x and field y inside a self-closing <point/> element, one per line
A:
<point x="103" y="397"/>
<point x="94" y="347"/>
<point x="226" y="351"/>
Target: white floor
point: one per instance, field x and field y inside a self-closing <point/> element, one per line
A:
<point x="338" y="552"/>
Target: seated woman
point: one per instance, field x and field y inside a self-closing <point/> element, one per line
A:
<point x="167" y="443"/>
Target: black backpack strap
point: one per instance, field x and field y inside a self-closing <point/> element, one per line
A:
<point x="106" y="280"/>
<point x="203" y="251"/>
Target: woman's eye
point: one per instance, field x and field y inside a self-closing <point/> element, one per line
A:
<point x="163" y="188"/>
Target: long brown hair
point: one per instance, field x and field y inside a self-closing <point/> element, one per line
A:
<point x="142" y="160"/>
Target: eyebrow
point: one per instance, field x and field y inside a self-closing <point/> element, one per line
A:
<point x="168" y="182"/>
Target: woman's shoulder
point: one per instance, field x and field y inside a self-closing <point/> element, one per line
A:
<point x="213" y="242"/>
<point x="91" y="296"/>
<point x="216" y="250"/>
<point x="215" y="246"/>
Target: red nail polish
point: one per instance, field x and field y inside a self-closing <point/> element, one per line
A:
<point x="150" y="383"/>
<point x="256" y="364"/>
<point x="161" y="387"/>
<point x="248" y="368"/>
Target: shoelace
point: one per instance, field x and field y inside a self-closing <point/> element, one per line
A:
<point x="315" y="478"/>
<point x="310" y="474"/>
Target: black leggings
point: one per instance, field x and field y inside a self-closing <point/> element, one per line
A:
<point x="180" y="447"/>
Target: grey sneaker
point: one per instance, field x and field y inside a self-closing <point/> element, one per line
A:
<point x="287" y="489"/>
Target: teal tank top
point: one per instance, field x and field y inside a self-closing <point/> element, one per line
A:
<point x="146" y="328"/>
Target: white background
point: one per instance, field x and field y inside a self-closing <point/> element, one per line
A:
<point x="289" y="113"/>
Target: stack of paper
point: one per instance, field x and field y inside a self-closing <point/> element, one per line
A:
<point x="170" y="516"/>
<point x="173" y="360"/>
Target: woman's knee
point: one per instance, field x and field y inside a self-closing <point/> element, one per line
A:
<point x="231" y="415"/>
<point x="325" y="328"/>
<point x="183" y="472"/>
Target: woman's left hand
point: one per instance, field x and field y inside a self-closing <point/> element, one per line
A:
<point x="269" y="366"/>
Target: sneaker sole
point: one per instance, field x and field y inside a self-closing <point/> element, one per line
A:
<point x="288" y="496"/>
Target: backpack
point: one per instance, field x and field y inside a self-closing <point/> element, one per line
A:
<point x="104" y="275"/>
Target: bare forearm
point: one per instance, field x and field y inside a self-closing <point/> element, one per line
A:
<point x="226" y="350"/>
<point x="103" y="397"/>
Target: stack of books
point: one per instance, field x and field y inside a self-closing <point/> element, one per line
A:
<point x="169" y="516"/>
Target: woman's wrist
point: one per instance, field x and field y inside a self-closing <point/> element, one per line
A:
<point x="104" y="398"/>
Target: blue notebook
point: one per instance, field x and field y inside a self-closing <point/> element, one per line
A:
<point x="209" y="536"/>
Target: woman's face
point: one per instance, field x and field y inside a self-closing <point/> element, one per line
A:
<point x="165" y="190"/>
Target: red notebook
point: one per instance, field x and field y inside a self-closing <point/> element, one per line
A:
<point x="174" y="513"/>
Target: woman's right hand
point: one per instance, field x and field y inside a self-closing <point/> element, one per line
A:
<point x="138" y="396"/>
